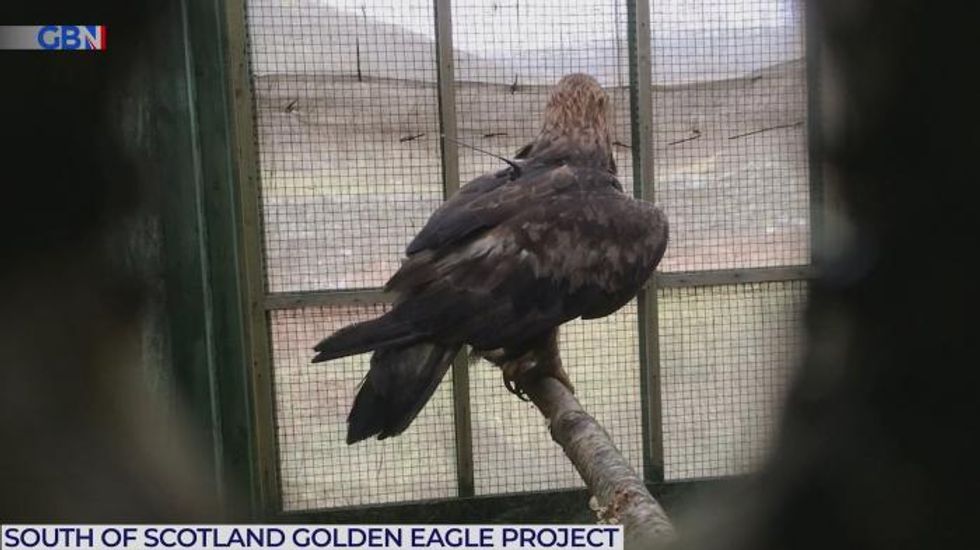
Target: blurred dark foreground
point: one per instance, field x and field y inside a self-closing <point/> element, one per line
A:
<point x="93" y="421"/>
<point x="878" y="448"/>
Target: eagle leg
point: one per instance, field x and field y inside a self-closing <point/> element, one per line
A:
<point x="542" y="360"/>
<point x="558" y="373"/>
<point x="549" y="360"/>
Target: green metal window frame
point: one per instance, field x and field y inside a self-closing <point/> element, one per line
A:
<point x="233" y="214"/>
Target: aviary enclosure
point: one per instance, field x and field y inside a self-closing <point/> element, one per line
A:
<point x="340" y="110"/>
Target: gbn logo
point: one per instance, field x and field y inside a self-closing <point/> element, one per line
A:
<point x="71" y="37"/>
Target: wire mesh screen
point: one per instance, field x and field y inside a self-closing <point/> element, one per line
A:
<point x="726" y="353"/>
<point x="317" y="468"/>
<point x="346" y="120"/>
<point x="347" y="130"/>
<point x="507" y="57"/>
<point x="729" y="137"/>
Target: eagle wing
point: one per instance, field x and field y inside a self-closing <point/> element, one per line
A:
<point x="509" y="258"/>
<point x="479" y="205"/>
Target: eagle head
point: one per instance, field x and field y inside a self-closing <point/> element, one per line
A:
<point x="575" y="128"/>
<point x="577" y="103"/>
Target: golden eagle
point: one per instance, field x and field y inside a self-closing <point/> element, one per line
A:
<point x="503" y="263"/>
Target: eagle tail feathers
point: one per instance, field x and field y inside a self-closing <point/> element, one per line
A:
<point x="363" y="337"/>
<point x="399" y="384"/>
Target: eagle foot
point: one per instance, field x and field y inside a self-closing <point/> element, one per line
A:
<point x="516" y="373"/>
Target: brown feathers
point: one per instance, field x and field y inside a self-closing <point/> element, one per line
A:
<point x="575" y="126"/>
<point x="507" y="260"/>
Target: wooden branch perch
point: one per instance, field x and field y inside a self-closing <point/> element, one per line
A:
<point x="619" y="491"/>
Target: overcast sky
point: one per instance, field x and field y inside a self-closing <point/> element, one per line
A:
<point x="513" y="22"/>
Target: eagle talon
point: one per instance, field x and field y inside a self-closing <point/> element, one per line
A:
<point x="513" y="372"/>
<point x="511" y="386"/>
<point x="520" y="394"/>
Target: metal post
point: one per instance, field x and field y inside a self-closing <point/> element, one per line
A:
<point x="641" y="115"/>
<point x="256" y="327"/>
<point x="450" y="180"/>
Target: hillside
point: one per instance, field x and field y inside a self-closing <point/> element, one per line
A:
<point x="310" y="38"/>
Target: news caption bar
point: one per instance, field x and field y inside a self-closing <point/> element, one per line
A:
<point x="389" y="537"/>
<point x="53" y="37"/>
